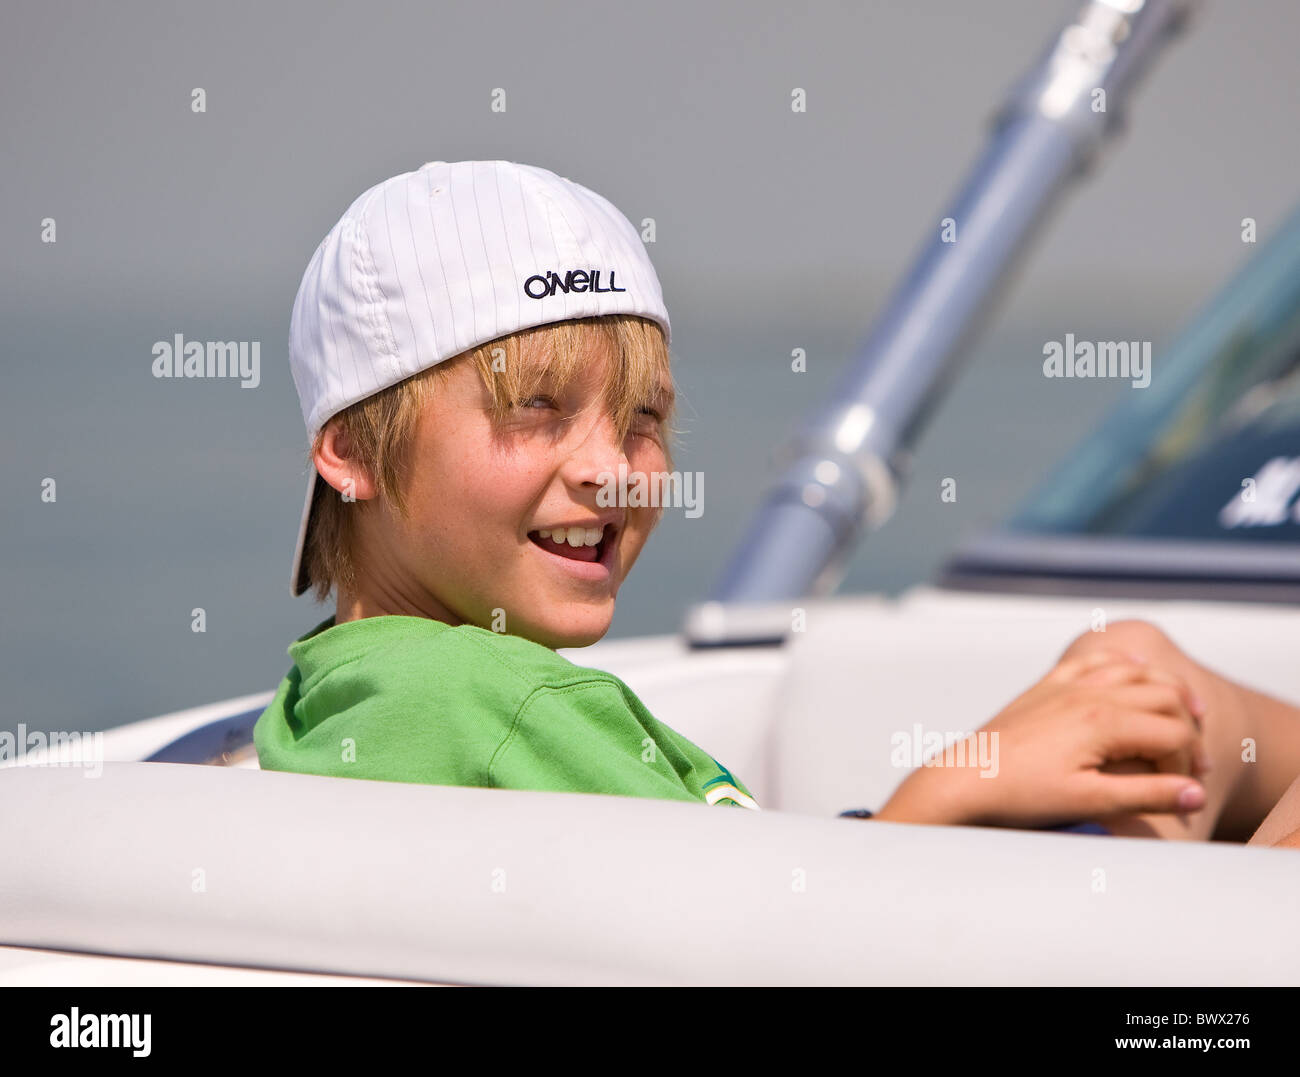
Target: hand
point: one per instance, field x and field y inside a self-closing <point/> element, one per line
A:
<point x="1060" y="746"/>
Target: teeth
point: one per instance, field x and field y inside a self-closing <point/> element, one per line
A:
<point x="574" y="536"/>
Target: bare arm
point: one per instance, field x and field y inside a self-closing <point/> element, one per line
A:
<point x="1281" y="827"/>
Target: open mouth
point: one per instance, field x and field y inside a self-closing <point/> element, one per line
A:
<point x="576" y="543"/>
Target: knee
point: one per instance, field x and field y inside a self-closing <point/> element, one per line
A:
<point x="1140" y="638"/>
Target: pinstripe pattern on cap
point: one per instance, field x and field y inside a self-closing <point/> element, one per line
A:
<point x="432" y="263"/>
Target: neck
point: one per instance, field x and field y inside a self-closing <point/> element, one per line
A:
<point x="370" y="598"/>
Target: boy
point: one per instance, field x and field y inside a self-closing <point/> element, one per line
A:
<point x="435" y="325"/>
<point x="479" y="347"/>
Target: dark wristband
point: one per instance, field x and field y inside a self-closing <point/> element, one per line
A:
<point x="855" y="813"/>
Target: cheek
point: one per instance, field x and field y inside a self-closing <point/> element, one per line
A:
<point x="483" y="497"/>
<point x="647" y="454"/>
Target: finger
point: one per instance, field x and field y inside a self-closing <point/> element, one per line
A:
<point x="1113" y="669"/>
<point x="1070" y="668"/>
<point x="1179" y="763"/>
<point x="1128" y="766"/>
<point x="1194" y="706"/>
<point x="1144" y="688"/>
<point x="1148" y="695"/>
<point x="1127" y="733"/>
<point x="1113" y="674"/>
<point x="1115" y="665"/>
<point x="1110" y="794"/>
<point x="1164" y="697"/>
<point x="1186" y="762"/>
<point x="1127" y="671"/>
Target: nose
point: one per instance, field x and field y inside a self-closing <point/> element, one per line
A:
<point x="596" y="453"/>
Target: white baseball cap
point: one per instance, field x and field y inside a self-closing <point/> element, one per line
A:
<point x="432" y="263"/>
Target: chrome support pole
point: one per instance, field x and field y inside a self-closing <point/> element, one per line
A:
<point x="850" y="459"/>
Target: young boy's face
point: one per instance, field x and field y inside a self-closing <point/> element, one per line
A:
<point x="479" y="496"/>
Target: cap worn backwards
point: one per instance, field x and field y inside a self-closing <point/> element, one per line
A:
<point x="431" y="263"/>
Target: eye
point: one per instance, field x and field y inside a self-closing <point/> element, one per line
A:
<point x="540" y="400"/>
<point x="649" y="424"/>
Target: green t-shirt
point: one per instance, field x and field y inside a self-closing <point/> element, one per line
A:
<point x="409" y="699"/>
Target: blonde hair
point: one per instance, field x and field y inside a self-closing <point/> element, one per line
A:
<point x="380" y="428"/>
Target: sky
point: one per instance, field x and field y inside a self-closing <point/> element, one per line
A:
<point x="773" y="230"/>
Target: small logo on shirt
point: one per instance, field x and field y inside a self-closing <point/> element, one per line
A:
<point x="724" y="790"/>
<point x="540" y="285"/>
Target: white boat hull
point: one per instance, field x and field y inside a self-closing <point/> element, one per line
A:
<point x="384" y="881"/>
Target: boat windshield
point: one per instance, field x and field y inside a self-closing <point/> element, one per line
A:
<point x="1210" y="450"/>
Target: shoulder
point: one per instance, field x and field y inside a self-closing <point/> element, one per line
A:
<point x="423" y="665"/>
<point x="472" y="650"/>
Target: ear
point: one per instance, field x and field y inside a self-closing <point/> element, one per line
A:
<point x="333" y="459"/>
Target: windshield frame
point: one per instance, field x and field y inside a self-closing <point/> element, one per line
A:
<point x="1253" y="324"/>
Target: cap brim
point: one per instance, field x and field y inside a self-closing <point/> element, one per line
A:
<point x="298" y="580"/>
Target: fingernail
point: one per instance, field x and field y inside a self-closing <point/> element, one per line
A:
<point x="1191" y="798"/>
<point x="1138" y="658"/>
<point x="1198" y="706"/>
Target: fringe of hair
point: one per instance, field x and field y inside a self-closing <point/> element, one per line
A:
<point x="381" y="427"/>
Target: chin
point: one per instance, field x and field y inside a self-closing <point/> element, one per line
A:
<point x="577" y="632"/>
